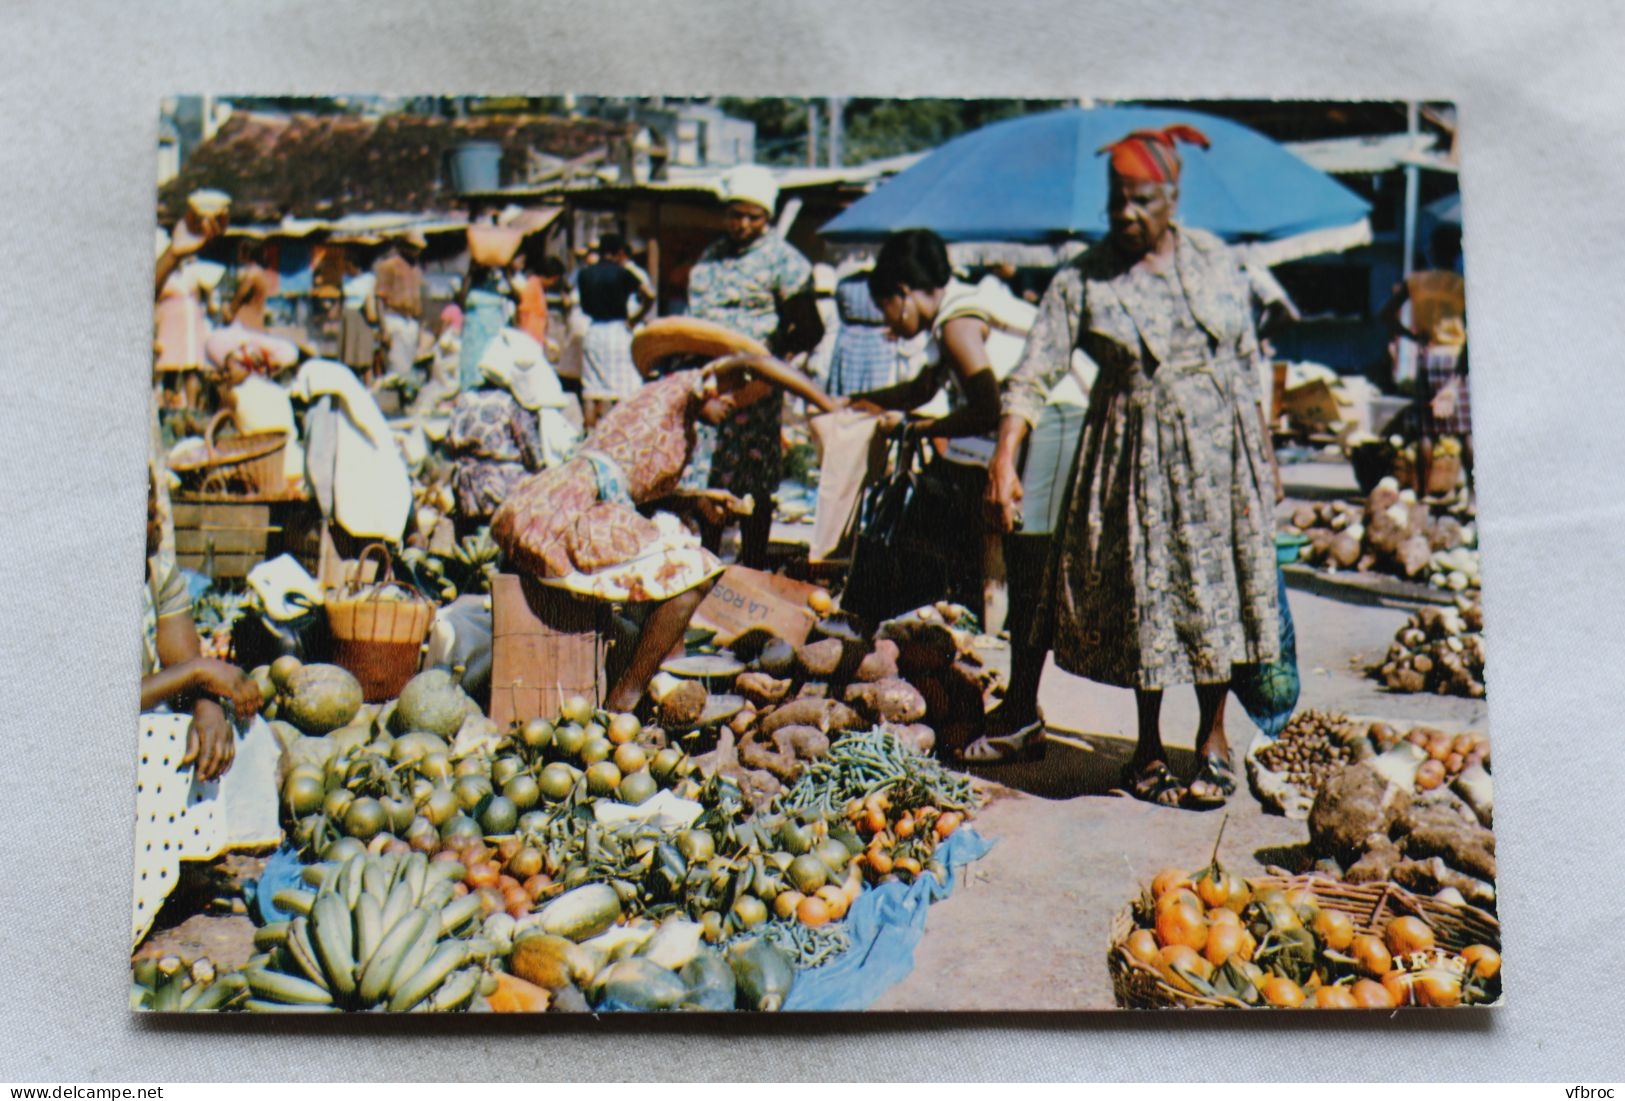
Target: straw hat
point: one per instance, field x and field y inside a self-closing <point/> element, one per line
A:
<point x="688" y="336"/>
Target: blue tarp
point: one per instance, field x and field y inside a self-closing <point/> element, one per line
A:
<point x="1039" y="179"/>
<point x="885" y="924"/>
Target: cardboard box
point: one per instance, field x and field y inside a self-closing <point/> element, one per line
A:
<point x="546" y="646"/>
<point x="744" y="599"/>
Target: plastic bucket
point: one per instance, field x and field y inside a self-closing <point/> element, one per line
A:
<point x="476" y="166"/>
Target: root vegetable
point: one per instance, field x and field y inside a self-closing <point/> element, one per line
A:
<point x="880" y="663"/>
<point x="891" y="701"/>
<point x="761" y="689"/>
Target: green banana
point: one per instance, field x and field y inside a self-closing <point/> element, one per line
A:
<point x="437" y="894"/>
<point x="417" y="955"/>
<point x="449" y="870"/>
<point x="369" y="928"/>
<point x="331" y="931"/>
<point x="423" y="981"/>
<point x="458" y="913"/>
<point x="375" y="878"/>
<point x="304" y="953"/>
<point x="397" y="904"/>
<point x="269" y="936"/>
<point x="315" y="875"/>
<point x="277" y="987"/>
<point x="257" y="1005"/>
<point x="295" y="901"/>
<point x="454" y="993"/>
<point x="415" y="871"/>
<point x="349" y="884"/>
<point x="381" y="968"/>
<point x="219" y="993"/>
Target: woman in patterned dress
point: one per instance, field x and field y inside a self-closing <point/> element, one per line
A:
<point x="1163" y="570"/>
<point x="577" y="526"/>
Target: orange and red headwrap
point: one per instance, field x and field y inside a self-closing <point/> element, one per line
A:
<point x="1149" y="155"/>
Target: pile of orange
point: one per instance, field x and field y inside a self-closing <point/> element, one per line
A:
<point x="902" y="842"/>
<point x="1216" y="935"/>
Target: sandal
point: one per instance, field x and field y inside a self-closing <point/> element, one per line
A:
<point x="1026" y="744"/>
<point x="1153" y="782"/>
<point x="1218" y="774"/>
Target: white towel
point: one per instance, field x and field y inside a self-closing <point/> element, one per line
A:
<point x="359" y="475"/>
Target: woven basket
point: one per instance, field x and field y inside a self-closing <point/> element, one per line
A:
<point x="376" y="638"/>
<point x="1371" y="906"/>
<point x="494" y="246"/>
<point x="241" y="466"/>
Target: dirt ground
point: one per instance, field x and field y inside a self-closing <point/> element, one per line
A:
<point x="1029" y="926"/>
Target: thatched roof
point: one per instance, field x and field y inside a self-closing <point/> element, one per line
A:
<point x="326" y="166"/>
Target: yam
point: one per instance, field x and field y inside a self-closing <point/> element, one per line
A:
<point x="888" y="701"/>
<point x="918" y="737"/>
<point x="783" y="765"/>
<point x="825" y="715"/>
<point x="1345" y="551"/>
<point x="1376" y="864"/>
<point x="1352" y="804"/>
<point x="880" y="663"/>
<point x="749" y="645"/>
<point x="813" y="690"/>
<point x="819" y="660"/>
<point x="1438" y="830"/>
<point x="1303" y="517"/>
<point x="778" y="658"/>
<point x="683" y="705"/>
<point x="1412" y="555"/>
<point x="761" y="689"/>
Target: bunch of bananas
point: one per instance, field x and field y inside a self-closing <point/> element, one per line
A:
<point x="168" y="985"/>
<point x="376" y="931"/>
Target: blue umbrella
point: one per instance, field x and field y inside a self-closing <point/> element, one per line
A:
<point x="1038" y="179"/>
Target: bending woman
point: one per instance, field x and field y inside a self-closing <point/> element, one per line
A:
<point x="577" y="526"/>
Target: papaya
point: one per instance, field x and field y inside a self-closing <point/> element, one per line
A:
<point x="762" y="973"/>
<point x="638" y="983"/>
<point x="515" y="995"/>
<point x="583" y="912"/>
<point x="320" y="698"/>
<point x="432" y="701"/>
<point x="710" y="982"/>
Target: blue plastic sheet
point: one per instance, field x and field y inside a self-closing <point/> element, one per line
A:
<point x="281" y="873"/>
<point x="885" y="924"/>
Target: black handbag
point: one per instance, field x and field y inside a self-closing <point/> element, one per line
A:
<point x="918" y="537"/>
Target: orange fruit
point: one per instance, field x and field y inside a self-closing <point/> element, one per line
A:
<point x="1430" y="774"/>
<point x="1182" y="925"/>
<point x="1371" y="956"/>
<point x="1439" y="989"/>
<point x="1214" y="889"/>
<point x="1398" y="985"/>
<point x="1335" y="929"/>
<point x="785" y="903"/>
<point x="1142" y="945"/>
<point x="1335" y="997"/>
<point x="1282" y="993"/>
<point x="819" y="601"/>
<point x="1405" y="935"/>
<point x="1180" y="896"/>
<point x="1167" y="880"/>
<point x="1221" y="915"/>
<point x="1482" y="960"/>
<point x="1177" y="963"/>
<point x="1223" y="941"/>
<point x="835" y="899"/>
<point x="812" y="910"/>
<point x="1249" y="945"/>
<point x="1372" y="995"/>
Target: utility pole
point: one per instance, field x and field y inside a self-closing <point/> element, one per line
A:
<point x="1413" y="128"/>
<point x="812" y="133"/>
<point x="837" y="107"/>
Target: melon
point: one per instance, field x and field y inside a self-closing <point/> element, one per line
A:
<point x="432" y="701"/>
<point x="320" y="698"/>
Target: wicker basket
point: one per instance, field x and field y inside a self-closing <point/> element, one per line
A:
<point x="494" y="246"/>
<point x="1371" y="906"/>
<point x="378" y="639"/>
<point x="241" y="466"/>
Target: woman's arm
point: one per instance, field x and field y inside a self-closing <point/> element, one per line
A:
<point x="735" y="372"/>
<point x="964" y="348"/>
<point x="210" y="743"/>
<point x="904" y="396"/>
<point x="1390" y="314"/>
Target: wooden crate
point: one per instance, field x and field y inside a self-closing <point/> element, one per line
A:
<point x="244" y="534"/>
<point x="546" y="646"/>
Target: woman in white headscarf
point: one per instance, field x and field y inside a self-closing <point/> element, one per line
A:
<point x="509" y="426"/>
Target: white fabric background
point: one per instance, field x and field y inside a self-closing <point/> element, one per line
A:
<point x="1540" y="89"/>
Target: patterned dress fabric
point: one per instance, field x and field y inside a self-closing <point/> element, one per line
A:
<point x="576" y="525"/>
<point x="743" y="289"/>
<point x="494" y="442"/>
<point x="1163" y="570"/>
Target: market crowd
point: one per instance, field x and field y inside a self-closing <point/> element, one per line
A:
<point x="1105" y="450"/>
